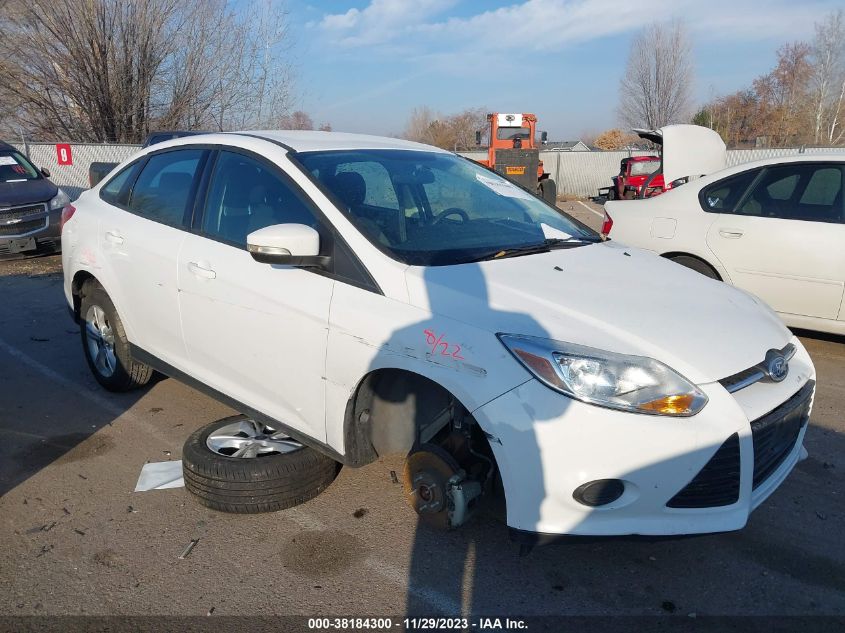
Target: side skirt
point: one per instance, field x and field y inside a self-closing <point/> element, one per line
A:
<point x="177" y="374"/>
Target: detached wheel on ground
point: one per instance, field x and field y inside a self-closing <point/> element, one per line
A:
<point x="697" y="265"/>
<point x="240" y="465"/>
<point x="105" y="344"/>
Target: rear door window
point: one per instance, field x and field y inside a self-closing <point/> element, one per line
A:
<point x="798" y="191"/>
<point x="165" y="186"/>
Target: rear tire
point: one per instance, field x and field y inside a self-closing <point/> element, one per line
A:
<point x="548" y="191"/>
<point x="697" y="265"/>
<point x="265" y="482"/>
<point x="104" y="342"/>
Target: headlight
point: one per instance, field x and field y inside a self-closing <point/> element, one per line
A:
<point x="59" y="201"/>
<point x="617" y="381"/>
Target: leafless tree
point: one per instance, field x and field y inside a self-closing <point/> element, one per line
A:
<point x="657" y="87"/>
<point x="111" y="70"/>
<point x="828" y="79"/>
<point x="455" y="132"/>
<point x="297" y="120"/>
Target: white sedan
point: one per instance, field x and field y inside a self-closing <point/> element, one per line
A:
<point x="355" y="296"/>
<point x="774" y="227"/>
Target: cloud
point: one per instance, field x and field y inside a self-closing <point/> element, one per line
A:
<point x="419" y="26"/>
<point x="381" y="21"/>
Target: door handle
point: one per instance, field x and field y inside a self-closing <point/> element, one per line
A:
<point x="114" y="237"/>
<point x="731" y="234"/>
<point x="201" y="271"/>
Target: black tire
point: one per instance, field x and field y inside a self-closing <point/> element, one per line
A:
<point x="693" y="263"/>
<point x="126" y="372"/>
<point x="611" y="193"/>
<point x="548" y="191"/>
<point x="250" y="485"/>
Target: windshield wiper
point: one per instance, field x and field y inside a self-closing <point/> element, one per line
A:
<point x="530" y="249"/>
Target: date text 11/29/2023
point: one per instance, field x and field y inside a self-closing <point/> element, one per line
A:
<point x="416" y="624"/>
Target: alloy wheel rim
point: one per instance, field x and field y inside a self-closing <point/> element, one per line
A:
<point x="248" y="438"/>
<point x="100" y="341"/>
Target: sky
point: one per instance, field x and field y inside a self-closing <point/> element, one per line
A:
<point x="364" y="66"/>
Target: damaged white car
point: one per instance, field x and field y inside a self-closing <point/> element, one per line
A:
<point x="356" y="296"/>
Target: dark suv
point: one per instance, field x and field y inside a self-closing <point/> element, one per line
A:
<point x="30" y="206"/>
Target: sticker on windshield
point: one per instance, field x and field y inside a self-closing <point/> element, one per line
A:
<point x="503" y="187"/>
<point x="7" y="160"/>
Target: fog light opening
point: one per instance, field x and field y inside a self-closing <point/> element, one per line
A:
<point x="599" y="492"/>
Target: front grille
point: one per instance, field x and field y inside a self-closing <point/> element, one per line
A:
<point x="717" y="484"/>
<point x="758" y="372"/>
<point x="22" y="228"/>
<point x="774" y="435"/>
<point x="22" y="212"/>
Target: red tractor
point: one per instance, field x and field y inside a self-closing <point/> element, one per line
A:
<point x="632" y="176"/>
<point x="513" y="152"/>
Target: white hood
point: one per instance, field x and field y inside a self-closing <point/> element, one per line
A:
<point x="610" y="297"/>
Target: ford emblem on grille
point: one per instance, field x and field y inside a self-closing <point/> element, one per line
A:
<point x="776" y="365"/>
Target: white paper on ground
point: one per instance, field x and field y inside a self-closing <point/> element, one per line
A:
<point x="160" y="476"/>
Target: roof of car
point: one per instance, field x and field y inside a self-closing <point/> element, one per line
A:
<point x="5" y="147"/>
<point x="313" y="141"/>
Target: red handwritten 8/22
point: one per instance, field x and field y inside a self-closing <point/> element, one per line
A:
<point x="437" y="342"/>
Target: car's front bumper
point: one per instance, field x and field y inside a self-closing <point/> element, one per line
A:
<point x="30" y="231"/>
<point x="547" y="445"/>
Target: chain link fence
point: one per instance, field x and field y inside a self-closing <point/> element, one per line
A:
<point x="73" y="179"/>
<point x="578" y="174"/>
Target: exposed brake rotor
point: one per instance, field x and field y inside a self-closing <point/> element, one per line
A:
<point x="425" y="479"/>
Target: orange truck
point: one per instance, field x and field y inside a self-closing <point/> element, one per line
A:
<point x="513" y="152"/>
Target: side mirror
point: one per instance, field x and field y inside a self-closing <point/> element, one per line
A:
<point x="286" y="245"/>
<point x="544" y="136"/>
<point x="45" y="172"/>
<point x="477" y="137"/>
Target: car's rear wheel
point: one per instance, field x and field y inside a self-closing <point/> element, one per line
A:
<point x="105" y="344"/>
<point x="697" y="265"/>
<point x="241" y="465"/>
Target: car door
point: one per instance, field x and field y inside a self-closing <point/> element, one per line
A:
<point x="784" y="238"/>
<point x="255" y="332"/>
<point x="141" y="230"/>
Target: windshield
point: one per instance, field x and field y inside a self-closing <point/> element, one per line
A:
<point x="429" y="208"/>
<point x="15" y="168"/>
<point x="644" y="167"/>
<point x="510" y="133"/>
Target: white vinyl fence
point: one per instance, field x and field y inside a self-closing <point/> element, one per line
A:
<point x="580" y="174"/>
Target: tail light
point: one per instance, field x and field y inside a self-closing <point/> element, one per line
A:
<point x="67" y="213"/>
<point x="606" y="225"/>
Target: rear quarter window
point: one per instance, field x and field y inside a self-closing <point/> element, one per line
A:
<point x="723" y="196"/>
<point x="116" y="191"/>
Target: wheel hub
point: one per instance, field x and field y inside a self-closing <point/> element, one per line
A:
<point x="99" y="337"/>
<point x="248" y="438"/>
<point x="426" y="482"/>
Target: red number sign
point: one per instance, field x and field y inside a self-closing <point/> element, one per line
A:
<point x="63" y="154"/>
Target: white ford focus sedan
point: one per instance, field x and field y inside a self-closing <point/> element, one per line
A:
<point x="774" y="227"/>
<point x="357" y="296"/>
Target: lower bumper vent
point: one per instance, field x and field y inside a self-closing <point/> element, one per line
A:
<point x="717" y="484"/>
